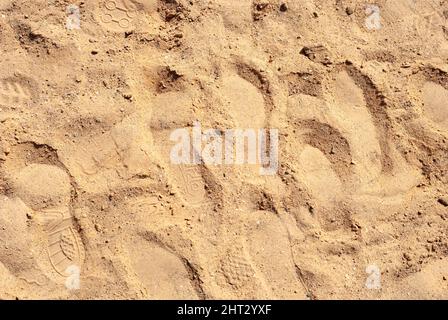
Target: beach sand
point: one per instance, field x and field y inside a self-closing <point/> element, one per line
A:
<point x="92" y="207"/>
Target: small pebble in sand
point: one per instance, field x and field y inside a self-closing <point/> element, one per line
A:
<point x="443" y="201"/>
<point x="283" y="7"/>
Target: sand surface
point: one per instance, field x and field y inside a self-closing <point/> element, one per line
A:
<point x="91" y="207"/>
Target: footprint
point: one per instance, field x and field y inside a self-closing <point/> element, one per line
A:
<point x="41" y="186"/>
<point x="118" y="15"/>
<point x="64" y="244"/>
<point x="377" y="109"/>
<point x="19" y="240"/>
<point x="237" y="268"/>
<point x="380" y="169"/>
<point x="102" y="162"/>
<point x="428" y="129"/>
<point x="432" y="86"/>
<point x="268" y="243"/>
<point x="146" y="205"/>
<point x="14" y="91"/>
<point x="189" y="180"/>
<point x="246" y="84"/>
<point x="242" y="278"/>
<point x="192" y="184"/>
<point x="162" y="273"/>
<point x="258" y="263"/>
<point x="350" y="125"/>
<point x="435" y="99"/>
<point x="319" y="175"/>
<point x="330" y="142"/>
<point x="351" y="109"/>
<point x="15" y="238"/>
<point x="324" y="154"/>
<point x="192" y="180"/>
<point x="242" y="101"/>
<point x="46" y="189"/>
<point x="260" y="80"/>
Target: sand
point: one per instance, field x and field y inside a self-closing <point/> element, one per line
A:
<point x="92" y="207"/>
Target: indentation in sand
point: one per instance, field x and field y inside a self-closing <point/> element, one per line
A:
<point x="435" y="98"/>
<point x="161" y="272"/>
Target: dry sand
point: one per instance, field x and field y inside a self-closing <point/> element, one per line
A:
<point x="361" y="194"/>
